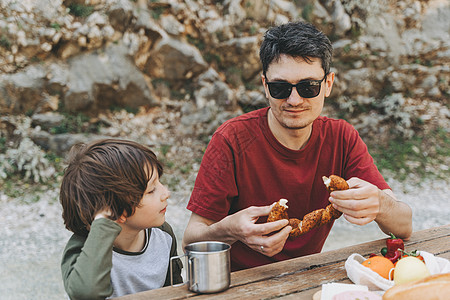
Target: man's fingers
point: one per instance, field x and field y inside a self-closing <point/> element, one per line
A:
<point x="354" y="182"/>
<point x="344" y="205"/>
<point x="280" y="236"/>
<point x="358" y="221"/>
<point x="259" y="211"/>
<point x="273" y="244"/>
<point x="358" y="190"/>
<point x="269" y="227"/>
<point x="349" y="194"/>
<point x="354" y="207"/>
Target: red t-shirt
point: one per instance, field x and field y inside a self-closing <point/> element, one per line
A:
<point x="245" y="165"/>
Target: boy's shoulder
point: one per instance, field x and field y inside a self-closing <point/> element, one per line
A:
<point x="166" y="228"/>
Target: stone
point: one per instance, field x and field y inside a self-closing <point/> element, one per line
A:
<point x="217" y="92"/>
<point x="171" y="25"/>
<point x="252" y="99"/>
<point x="173" y="59"/>
<point x="99" y="82"/>
<point x="47" y="120"/>
<point x="21" y="92"/>
<point x="359" y="81"/>
<point x="243" y="54"/>
<point x="338" y="16"/>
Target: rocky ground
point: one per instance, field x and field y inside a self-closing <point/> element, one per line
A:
<point x="33" y="234"/>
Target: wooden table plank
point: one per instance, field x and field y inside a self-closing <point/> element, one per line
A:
<point x="303" y="276"/>
<point x="286" y="284"/>
<point x="339" y="255"/>
<point x="437" y="248"/>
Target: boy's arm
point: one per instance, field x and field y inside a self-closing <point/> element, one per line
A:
<point x="87" y="262"/>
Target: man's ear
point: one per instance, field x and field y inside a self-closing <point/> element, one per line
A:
<point x="329" y="83"/>
<point x="263" y="79"/>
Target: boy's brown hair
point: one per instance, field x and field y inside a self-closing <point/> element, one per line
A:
<point x="109" y="173"/>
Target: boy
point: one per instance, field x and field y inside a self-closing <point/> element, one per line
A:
<point x="115" y="205"/>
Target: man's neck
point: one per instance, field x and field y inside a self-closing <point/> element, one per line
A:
<point x="294" y="139"/>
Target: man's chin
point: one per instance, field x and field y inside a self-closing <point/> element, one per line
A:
<point x="295" y="125"/>
<point x="293" y="122"/>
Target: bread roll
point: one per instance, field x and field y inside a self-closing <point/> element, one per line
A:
<point x="434" y="287"/>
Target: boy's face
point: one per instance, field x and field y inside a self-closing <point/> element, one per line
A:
<point x="296" y="112"/>
<point x="151" y="211"/>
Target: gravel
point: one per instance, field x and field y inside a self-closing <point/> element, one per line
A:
<point x="33" y="234"/>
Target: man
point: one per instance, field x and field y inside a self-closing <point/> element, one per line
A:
<point x="283" y="151"/>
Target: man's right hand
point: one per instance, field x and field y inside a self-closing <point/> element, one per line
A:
<point x="268" y="235"/>
<point x="266" y="238"/>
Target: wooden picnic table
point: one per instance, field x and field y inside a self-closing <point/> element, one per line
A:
<point x="300" y="278"/>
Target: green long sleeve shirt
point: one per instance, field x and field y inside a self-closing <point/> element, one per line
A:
<point x="87" y="261"/>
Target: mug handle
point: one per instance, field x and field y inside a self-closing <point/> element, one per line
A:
<point x="191" y="267"/>
<point x="171" y="271"/>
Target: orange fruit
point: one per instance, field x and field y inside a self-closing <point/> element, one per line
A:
<point x="380" y="265"/>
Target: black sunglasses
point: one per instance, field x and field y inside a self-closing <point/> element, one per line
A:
<point x="305" y="88"/>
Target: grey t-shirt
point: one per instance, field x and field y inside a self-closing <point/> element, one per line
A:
<point x="134" y="272"/>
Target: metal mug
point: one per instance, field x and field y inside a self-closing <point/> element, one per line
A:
<point x="208" y="266"/>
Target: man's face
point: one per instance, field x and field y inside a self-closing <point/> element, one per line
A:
<point x="296" y="112"/>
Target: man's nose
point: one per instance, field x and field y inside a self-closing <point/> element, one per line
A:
<point x="294" y="98"/>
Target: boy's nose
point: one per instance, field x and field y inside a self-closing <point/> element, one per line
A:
<point x="165" y="194"/>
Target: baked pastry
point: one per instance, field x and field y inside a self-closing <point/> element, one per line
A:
<point x="335" y="183"/>
<point x="279" y="211"/>
<point x="435" y="287"/>
<point x="315" y="218"/>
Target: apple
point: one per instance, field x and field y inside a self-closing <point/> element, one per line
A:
<point x="410" y="269"/>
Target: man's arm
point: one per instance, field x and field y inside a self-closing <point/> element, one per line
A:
<point x="364" y="203"/>
<point x="394" y="216"/>
<point x="240" y="227"/>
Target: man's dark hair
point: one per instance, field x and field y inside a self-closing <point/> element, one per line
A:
<point x="105" y="174"/>
<point x="296" y="39"/>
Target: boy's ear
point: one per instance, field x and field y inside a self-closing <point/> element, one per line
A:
<point x="122" y="218"/>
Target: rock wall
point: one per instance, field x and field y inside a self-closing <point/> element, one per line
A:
<point x="391" y="57"/>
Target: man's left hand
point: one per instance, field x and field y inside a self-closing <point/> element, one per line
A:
<point x="360" y="204"/>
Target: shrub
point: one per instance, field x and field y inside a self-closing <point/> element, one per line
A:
<point x="29" y="160"/>
<point x="24" y="157"/>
